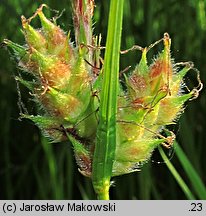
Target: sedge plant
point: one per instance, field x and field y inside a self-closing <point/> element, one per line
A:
<point x="113" y="127"/>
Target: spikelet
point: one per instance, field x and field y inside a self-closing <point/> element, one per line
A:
<point x="153" y="100"/>
<point x="61" y="84"/>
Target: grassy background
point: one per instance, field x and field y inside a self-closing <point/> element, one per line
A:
<point x="30" y="168"/>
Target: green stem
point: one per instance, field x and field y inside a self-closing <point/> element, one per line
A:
<point x="192" y="174"/>
<point x="177" y="177"/>
<point x="104" y="193"/>
<point x="104" y="153"/>
<point x="82" y="16"/>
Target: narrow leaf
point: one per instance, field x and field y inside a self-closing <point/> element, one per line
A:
<point x="106" y="135"/>
<point x="195" y="179"/>
<point x="177" y="176"/>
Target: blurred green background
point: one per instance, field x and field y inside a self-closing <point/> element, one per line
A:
<point x="31" y="168"/>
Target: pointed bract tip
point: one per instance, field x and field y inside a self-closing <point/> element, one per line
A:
<point x="167" y="40"/>
<point x="24" y="21"/>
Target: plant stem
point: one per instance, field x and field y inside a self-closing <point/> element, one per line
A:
<point x="192" y="174"/>
<point x="104" y="193"/>
<point x="82" y="17"/>
<point x="177" y="176"/>
<point x="104" y="153"/>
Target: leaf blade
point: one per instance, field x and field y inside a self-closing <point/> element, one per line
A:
<point x="106" y="133"/>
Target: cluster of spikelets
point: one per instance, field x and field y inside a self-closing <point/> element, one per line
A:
<point x="154" y="99"/>
<point x="66" y="88"/>
<point x="61" y="85"/>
